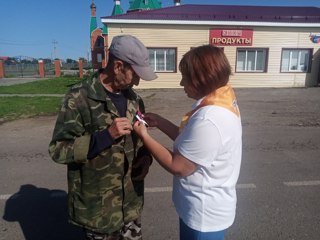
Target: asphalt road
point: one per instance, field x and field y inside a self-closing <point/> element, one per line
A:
<point x="13" y="81"/>
<point x="278" y="188"/>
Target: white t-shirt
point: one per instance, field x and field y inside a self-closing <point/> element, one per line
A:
<point x="206" y="199"/>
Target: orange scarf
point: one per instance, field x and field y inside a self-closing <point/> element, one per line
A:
<point x="223" y="97"/>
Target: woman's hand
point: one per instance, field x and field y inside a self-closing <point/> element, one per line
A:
<point x="140" y="129"/>
<point x="152" y="119"/>
<point x="163" y="124"/>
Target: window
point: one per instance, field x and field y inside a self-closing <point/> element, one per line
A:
<point x="99" y="42"/>
<point x="295" y="60"/>
<point x="251" y="60"/>
<point x="99" y="57"/>
<point x="163" y="59"/>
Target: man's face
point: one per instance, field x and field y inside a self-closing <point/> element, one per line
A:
<point x="125" y="77"/>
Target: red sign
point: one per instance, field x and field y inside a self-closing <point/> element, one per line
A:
<point x="231" y="37"/>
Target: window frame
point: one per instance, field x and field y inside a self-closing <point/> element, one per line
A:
<point x="265" y="67"/>
<point x="308" y="70"/>
<point x="175" y="59"/>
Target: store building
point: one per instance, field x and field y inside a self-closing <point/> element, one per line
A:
<point x="266" y="46"/>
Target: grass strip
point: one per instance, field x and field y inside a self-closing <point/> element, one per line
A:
<point x="43" y="86"/>
<point x="12" y="108"/>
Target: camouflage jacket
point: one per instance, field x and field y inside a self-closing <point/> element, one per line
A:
<point x="102" y="194"/>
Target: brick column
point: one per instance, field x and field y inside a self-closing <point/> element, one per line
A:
<point x="1" y="69"/>
<point x="41" y="69"/>
<point x="57" y="67"/>
<point x="105" y="52"/>
<point x="81" y="68"/>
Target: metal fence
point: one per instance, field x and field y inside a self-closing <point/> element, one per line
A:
<point x="21" y="70"/>
<point x="32" y="69"/>
<point x="73" y="68"/>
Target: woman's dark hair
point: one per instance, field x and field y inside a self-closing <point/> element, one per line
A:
<point x="205" y="68"/>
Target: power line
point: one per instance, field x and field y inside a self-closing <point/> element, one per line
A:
<point x="55" y="52"/>
<point x="21" y="44"/>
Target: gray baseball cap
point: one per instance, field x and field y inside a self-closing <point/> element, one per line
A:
<point x="131" y="50"/>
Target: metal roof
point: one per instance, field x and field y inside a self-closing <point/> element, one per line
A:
<point x="93" y="24"/>
<point x="213" y="13"/>
<point x="141" y="5"/>
<point x="117" y="10"/>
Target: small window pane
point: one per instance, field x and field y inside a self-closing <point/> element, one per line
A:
<point x="241" y="60"/>
<point x="171" y="58"/>
<point x="261" y="60"/>
<point x="99" y="57"/>
<point x="162" y="60"/>
<point x="294" y="60"/>
<point x="304" y="60"/>
<point x="251" y="61"/>
<point x="285" y="61"/>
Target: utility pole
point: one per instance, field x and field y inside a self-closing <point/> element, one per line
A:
<point x="21" y="67"/>
<point x="88" y="55"/>
<point x="54" y="42"/>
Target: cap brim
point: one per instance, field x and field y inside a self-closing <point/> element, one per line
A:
<point x="145" y="73"/>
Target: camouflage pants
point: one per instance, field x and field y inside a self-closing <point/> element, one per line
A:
<point x="130" y="231"/>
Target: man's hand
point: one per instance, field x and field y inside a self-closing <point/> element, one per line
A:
<point x="120" y="127"/>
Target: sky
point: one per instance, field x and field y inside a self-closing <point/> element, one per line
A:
<point x="61" y="28"/>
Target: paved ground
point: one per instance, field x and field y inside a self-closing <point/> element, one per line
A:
<point x="12" y="81"/>
<point x="278" y="190"/>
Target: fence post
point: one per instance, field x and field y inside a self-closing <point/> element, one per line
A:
<point x="57" y="67"/>
<point x="1" y="69"/>
<point x="81" y="67"/>
<point x="41" y="69"/>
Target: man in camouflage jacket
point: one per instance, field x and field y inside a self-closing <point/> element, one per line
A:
<point x="106" y="160"/>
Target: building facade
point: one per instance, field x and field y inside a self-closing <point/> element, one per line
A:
<point x="266" y="46"/>
<point x="99" y="36"/>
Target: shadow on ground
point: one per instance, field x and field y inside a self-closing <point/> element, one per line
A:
<point x="41" y="213"/>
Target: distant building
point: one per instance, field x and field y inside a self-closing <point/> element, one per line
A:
<point x="99" y="36"/>
<point x="98" y="41"/>
<point x="4" y="58"/>
<point x="267" y="46"/>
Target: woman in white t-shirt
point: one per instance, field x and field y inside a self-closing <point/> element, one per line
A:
<point x="207" y="148"/>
